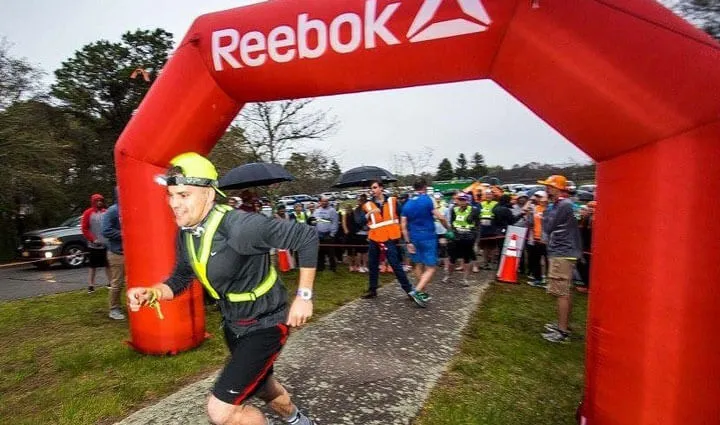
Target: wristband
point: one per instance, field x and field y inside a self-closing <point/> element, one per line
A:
<point x="304" y="294"/>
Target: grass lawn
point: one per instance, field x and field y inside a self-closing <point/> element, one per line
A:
<point x="506" y="374"/>
<point x="62" y="361"/>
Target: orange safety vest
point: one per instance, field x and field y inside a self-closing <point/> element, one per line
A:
<point x="383" y="226"/>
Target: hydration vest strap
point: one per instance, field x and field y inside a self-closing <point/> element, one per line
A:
<point x="199" y="260"/>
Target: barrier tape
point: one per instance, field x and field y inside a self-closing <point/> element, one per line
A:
<point x="339" y="245"/>
<point x="41" y="260"/>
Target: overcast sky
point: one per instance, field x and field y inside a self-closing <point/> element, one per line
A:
<point x="466" y="117"/>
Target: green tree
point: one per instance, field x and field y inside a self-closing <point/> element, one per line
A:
<point x="445" y="170"/>
<point x="36" y="168"/>
<point x="312" y="170"/>
<point x="478" y="166"/>
<point x="232" y="150"/>
<point x="334" y="171"/>
<point x="95" y="85"/>
<point x="461" y="171"/>
<point x="18" y="79"/>
<point x="96" y="80"/>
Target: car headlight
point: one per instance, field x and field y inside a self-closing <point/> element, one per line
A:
<point x="52" y="241"/>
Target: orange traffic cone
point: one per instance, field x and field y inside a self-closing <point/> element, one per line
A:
<point x="284" y="260"/>
<point x="507" y="272"/>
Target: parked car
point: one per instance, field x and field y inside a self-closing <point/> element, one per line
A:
<point x="267" y="211"/>
<point x="587" y="188"/>
<point x="530" y="189"/>
<point x="287" y="201"/>
<point x="66" y="240"/>
<point x="304" y="198"/>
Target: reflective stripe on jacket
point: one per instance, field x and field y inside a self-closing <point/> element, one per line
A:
<point x="461" y="218"/>
<point x="384" y="225"/>
<point x="199" y="260"/>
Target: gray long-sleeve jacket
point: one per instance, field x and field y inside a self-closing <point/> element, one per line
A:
<point x="240" y="259"/>
<point x="327" y="221"/>
<point x="560" y="231"/>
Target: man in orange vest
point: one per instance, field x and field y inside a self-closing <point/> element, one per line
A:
<point x="383" y="221"/>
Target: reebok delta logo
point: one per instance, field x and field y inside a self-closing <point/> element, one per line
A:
<point x="450" y="28"/>
<point x="285" y="43"/>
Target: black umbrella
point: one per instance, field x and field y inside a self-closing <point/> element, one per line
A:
<point x="362" y="176"/>
<point x="254" y="174"/>
<point x="584" y="196"/>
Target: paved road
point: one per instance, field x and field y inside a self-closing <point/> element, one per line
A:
<point x="370" y="362"/>
<point x="27" y="281"/>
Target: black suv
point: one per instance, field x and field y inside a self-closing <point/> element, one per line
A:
<point x="65" y="240"/>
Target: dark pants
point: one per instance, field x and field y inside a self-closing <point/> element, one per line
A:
<point x="393" y="257"/>
<point x="326" y="251"/>
<point x="339" y="251"/>
<point x="524" y="268"/>
<point x="535" y="254"/>
<point x="583" y="267"/>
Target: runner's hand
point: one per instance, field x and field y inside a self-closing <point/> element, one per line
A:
<point x="300" y="311"/>
<point x="411" y="248"/>
<point x="137" y="297"/>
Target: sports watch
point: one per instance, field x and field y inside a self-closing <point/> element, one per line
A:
<point x="305" y="294"/>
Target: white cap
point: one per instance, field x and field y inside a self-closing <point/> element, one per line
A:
<point x="541" y="194"/>
<point x="488" y="191"/>
<point x="437" y="195"/>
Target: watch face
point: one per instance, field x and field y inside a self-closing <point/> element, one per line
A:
<point x="305" y="294"/>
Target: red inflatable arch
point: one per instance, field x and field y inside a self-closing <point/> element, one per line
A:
<point x="626" y="81"/>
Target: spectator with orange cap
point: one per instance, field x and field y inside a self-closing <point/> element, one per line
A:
<point x="560" y="231"/>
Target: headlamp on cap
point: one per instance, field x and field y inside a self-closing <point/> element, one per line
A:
<point x="196" y="171"/>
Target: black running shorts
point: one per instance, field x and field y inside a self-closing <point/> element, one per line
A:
<point x="251" y="363"/>
<point x="462" y="248"/>
<point x="98" y="257"/>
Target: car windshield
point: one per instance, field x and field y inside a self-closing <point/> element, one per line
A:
<point x="71" y="222"/>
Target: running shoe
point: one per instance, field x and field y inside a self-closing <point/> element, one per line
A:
<point x="116" y="314"/>
<point x="553" y="327"/>
<point x="301" y="419"/>
<point x="415" y="296"/>
<point x="424" y="295"/>
<point x="369" y="294"/>
<point x="558" y="337"/>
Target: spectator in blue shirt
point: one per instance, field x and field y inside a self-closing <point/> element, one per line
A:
<point x="115" y="258"/>
<point x="418" y="228"/>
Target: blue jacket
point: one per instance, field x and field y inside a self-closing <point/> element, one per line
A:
<point x="111" y="229"/>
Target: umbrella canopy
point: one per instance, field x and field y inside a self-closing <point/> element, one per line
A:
<point x="254" y="174"/>
<point x="362" y="176"/>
